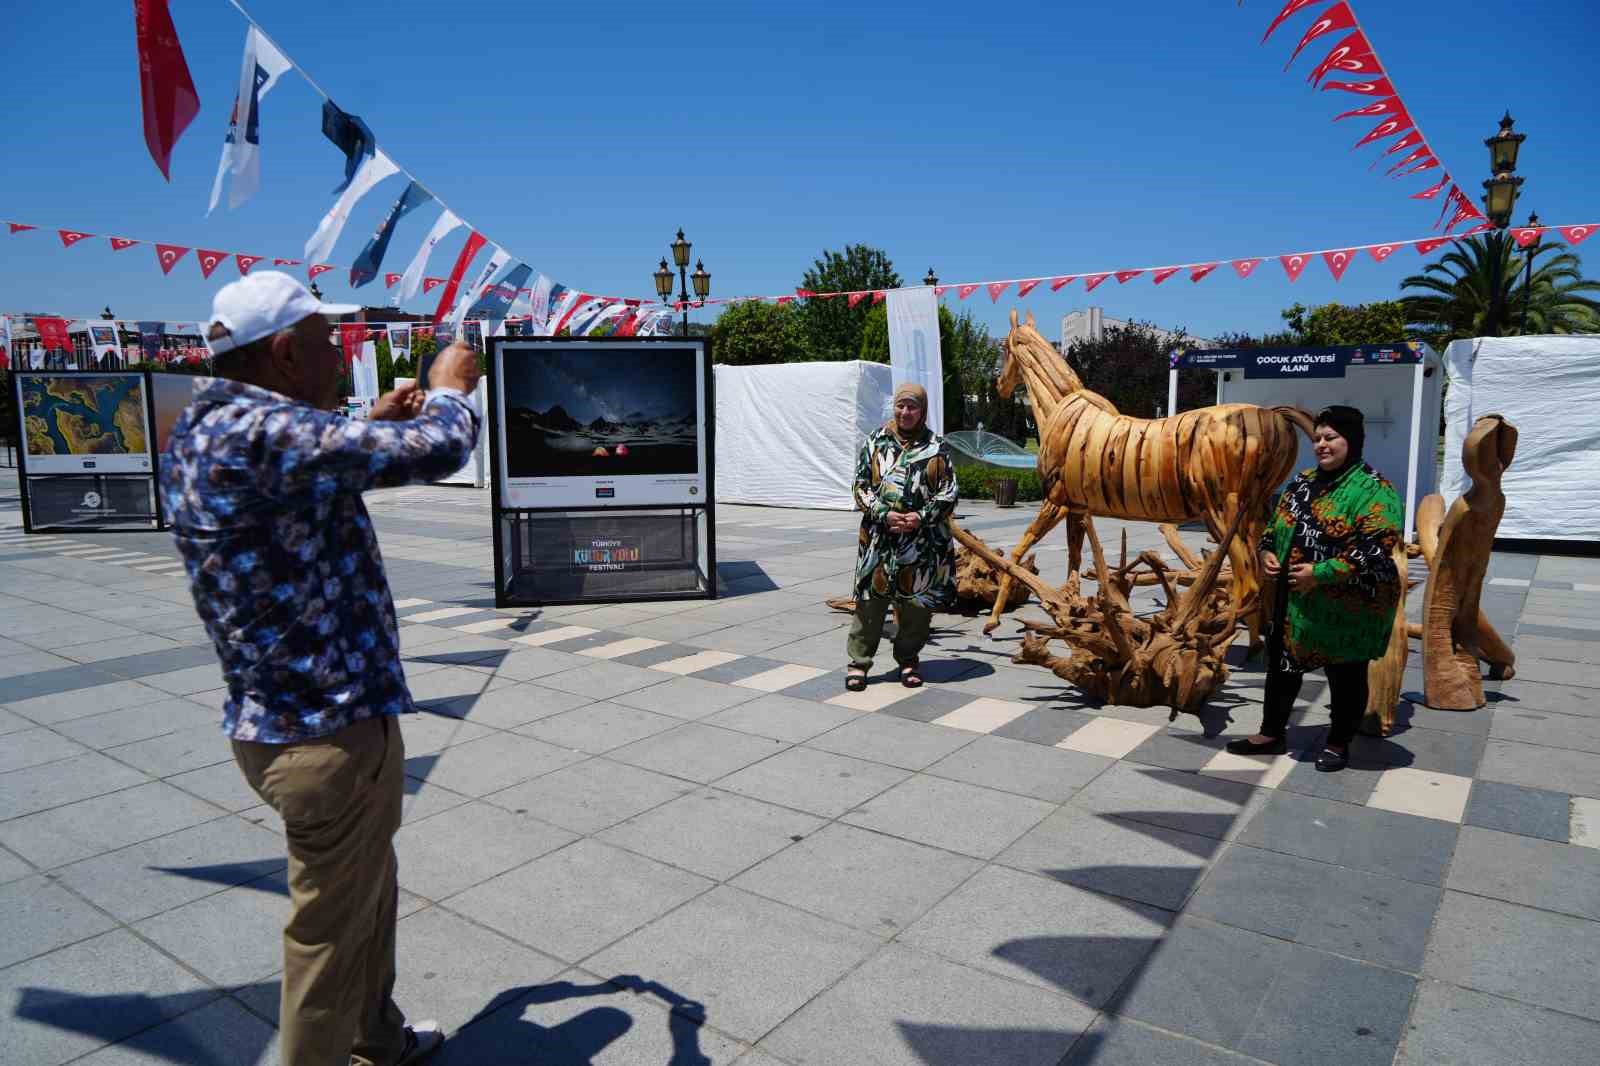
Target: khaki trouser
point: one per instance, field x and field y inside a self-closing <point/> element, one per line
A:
<point x="340" y="799"/>
<point x="911" y="632"/>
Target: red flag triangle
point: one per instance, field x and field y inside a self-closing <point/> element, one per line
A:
<point x="1410" y="140"/>
<point x="69" y="237"/>
<point x="286" y="262"/>
<point x="940" y="290"/>
<point x="1125" y="276"/>
<point x="318" y="268"/>
<point x="429" y="284"/>
<point x="963" y="291"/>
<point x="170" y="101"/>
<point x="1244" y="267"/>
<point x="996" y="288"/>
<point x="119" y="243"/>
<point x="18" y="227"/>
<point x="1338" y="261"/>
<point x="781" y="299"/>
<point x="1526" y="235"/>
<point x="1202" y="270"/>
<point x="1376" y="87"/>
<point x="209" y="260"/>
<point x="1352" y="55"/>
<point x="1289" y="9"/>
<point x="169" y="254"/>
<point x="878" y="296"/>
<point x="1092" y="280"/>
<point x="246" y="262"/>
<point x="1430" y="245"/>
<point x="1389" y="105"/>
<point x="1576" y="234"/>
<point x="1433" y="190"/>
<point x="1163" y="274"/>
<point x="855" y="298"/>
<point x="1293" y="265"/>
<point x="1337" y="17"/>
<point x="1056" y="284"/>
<point x="390" y="280"/>
<point x="1025" y="287"/>
<point x="1387" y="128"/>
<point x="1380" y="252"/>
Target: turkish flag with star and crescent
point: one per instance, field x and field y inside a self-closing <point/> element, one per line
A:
<point x="1092" y="280"/>
<point x="119" y="243"/>
<point x="1376" y="87"/>
<point x="1380" y="252"/>
<point x="390" y="280"/>
<point x="1290" y="8"/>
<point x="996" y="288"/>
<point x="1576" y="234"/>
<point x="1025" y="287"/>
<point x="1243" y="267"/>
<point x="286" y="262"/>
<point x="246" y="262"/>
<point x="1163" y="274"/>
<point x="963" y="291"/>
<point x="317" y="268"/>
<point x="1338" y="261"/>
<point x="69" y="237"/>
<point x="1293" y="265"/>
<point x="429" y="284"/>
<point x="18" y="227"/>
<point x="1202" y="270"/>
<point x="1125" y="276"/>
<point x="1352" y="55"/>
<point x="1431" y="245"/>
<point x="169" y="254"/>
<point x="1057" y="284"/>
<point x="1389" y="105"/>
<point x="209" y="260"/>
<point x="1387" y="128"/>
<point x="1337" y="17"/>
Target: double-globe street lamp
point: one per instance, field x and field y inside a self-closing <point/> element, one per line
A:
<point x="701" y="278"/>
<point x="1499" y="200"/>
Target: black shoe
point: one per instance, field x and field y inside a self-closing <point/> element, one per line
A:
<point x="1331" y="761"/>
<point x="1246" y="746"/>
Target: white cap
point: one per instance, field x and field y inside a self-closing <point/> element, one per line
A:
<point x="259" y="305"/>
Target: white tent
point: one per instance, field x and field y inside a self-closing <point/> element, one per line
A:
<point x="788" y="434"/>
<point x="1549" y="388"/>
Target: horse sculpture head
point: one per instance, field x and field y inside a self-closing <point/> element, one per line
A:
<point x="1011" y="366"/>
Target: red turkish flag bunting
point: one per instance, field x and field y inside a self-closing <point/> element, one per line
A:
<point x="1202" y="270"/>
<point x="18" y="227"/>
<point x="209" y="260"/>
<point x="963" y="291"/>
<point x="1163" y="274"/>
<point x="1389" y="105"/>
<point x="1479" y="228"/>
<point x="1376" y="87"/>
<point x="1380" y="252"/>
<point x="1387" y="128"/>
<point x="1290" y="8"/>
<point x="1576" y="234"/>
<point x="169" y="254"/>
<point x="940" y="290"/>
<point x="1463" y="212"/>
<point x="246" y="262"/>
<point x="69" y="237"/>
<point x="1125" y="276"/>
<point x="1433" y="190"/>
<point x="1352" y="55"/>
<point x="390" y="280"/>
<point x="1408" y="141"/>
<point x="1092" y="280"/>
<point x="1527" y="235"/>
<point x="996" y="288"/>
<point x="429" y="284"/>
<point x="1337" y="17"/>
<point x="1427" y="247"/>
<point x="804" y="292"/>
<point x="1025" y="287"/>
<point x="1057" y="284"/>
<point x="1244" y="266"/>
<point x="855" y="298"/>
<point x="286" y="262"/>
<point x="781" y="299"/>
<point x="167" y="90"/>
<point x="1338" y="261"/>
<point x="1293" y="265"/>
<point x="1417" y="153"/>
<point x="878" y="296"/>
<point x="1427" y="164"/>
<point x="317" y="268"/>
<point x="119" y="243"/>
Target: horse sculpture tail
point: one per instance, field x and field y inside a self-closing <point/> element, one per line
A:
<point x="1304" y="420"/>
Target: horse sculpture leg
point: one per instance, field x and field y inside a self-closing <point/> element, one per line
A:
<point x="1049" y="516"/>
<point x="1241" y="556"/>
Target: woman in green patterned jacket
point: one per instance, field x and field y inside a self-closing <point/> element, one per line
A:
<point x="1336" y="528"/>
<point x="905" y="488"/>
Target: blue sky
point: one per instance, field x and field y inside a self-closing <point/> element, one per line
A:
<point x="986" y="141"/>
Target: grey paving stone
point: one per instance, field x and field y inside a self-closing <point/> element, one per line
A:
<point x="1045" y="725"/>
<point x="1133" y="860"/>
<point x="1532" y="956"/>
<point x="1466" y="1028"/>
<point x="1435" y="750"/>
<point x="738" y="670"/>
<point x="85" y="700"/>
<point x="449" y="969"/>
<point x="23" y="688"/>
<point x="603" y="680"/>
<point x="1176" y="750"/>
<point x="598" y="727"/>
<point x="220" y="1032"/>
<point x="36" y="747"/>
<point x="1548" y="727"/>
<point x="1411" y="712"/>
<point x="1058" y="937"/>
<point x="1532" y="766"/>
<point x="781" y="717"/>
<point x="1366" y="916"/>
<point x="1355" y="784"/>
<point x="716" y="834"/>
<point x="103" y="823"/>
<point x="753" y="962"/>
<point x="167" y="662"/>
<point x="169" y="871"/>
<point x="468" y="844"/>
<point x="176" y="752"/>
<point x="1044" y="773"/>
<point x="1531" y="812"/>
<point x="893" y="741"/>
<point x="904" y="1008"/>
<point x="429" y="734"/>
<point x="530" y="664"/>
<point x="1538" y="873"/>
<point x="951" y="815"/>
<point x="687" y="697"/>
<point x="815" y="781"/>
<point x="70" y="1002"/>
<point x="876" y="883"/>
<point x="183" y="682"/>
<point x="40" y="916"/>
<point x="588" y="894"/>
<point x="1113" y="1041"/>
<point x="1190" y="803"/>
<point x="27" y="660"/>
<point x="1383" y="842"/>
<point x="490" y="763"/>
<point x="12" y="867"/>
<point x="39" y="788"/>
<point x="13" y="723"/>
<point x="1526" y="694"/>
<point x="222" y="784"/>
<point x="587" y="797"/>
<point x="1270" y="999"/>
<point x="697" y="751"/>
<point x="232" y="937"/>
<point x="130" y="724"/>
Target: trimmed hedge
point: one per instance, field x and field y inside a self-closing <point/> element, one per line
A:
<point x="977" y="483"/>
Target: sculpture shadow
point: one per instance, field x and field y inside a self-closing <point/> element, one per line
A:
<point x="259" y="875"/>
<point x="189" y="1037"/>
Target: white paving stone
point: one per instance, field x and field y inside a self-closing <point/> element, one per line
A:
<point x="873" y="697"/>
<point x="1422" y="792"/>
<point x="553" y="636"/>
<point x="440" y="614"/>
<point x="617" y="649"/>
<point x="983" y="715"/>
<point x="1584" y="822"/>
<point x="782" y="677"/>
<point x="401" y="605"/>
<point x="1111" y="737"/>
<point x="488" y="625"/>
<point x="1263" y="771"/>
<point x="693" y="664"/>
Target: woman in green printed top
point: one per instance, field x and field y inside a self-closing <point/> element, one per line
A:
<point x="1336" y="528"/>
<point x="905" y="488"/>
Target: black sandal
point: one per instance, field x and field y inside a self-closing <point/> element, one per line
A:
<point x="909" y="677"/>
<point x="855" y="682"/>
<point x="1331" y="762"/>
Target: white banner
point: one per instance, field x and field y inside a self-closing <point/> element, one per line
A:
<point x="241" y="152"/>
<point x="372" y="171"/>
<point x="364" y="372"/>
<point x="412" y="281"/>
<point x="914" y="346"/>
<point x="470" y="294"/>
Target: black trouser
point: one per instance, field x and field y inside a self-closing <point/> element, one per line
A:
<point x="1347" y="697"/>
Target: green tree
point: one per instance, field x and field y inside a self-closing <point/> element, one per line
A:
<point x="759" y="332"/>
<point x="1455" y="296"/>
<point x="1330" y="325"/>
<point x="832" y="327"/>
<point x="385" y="360"/>
<point x="1128" y="365"/>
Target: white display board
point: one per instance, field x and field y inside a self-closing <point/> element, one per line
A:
<point x="600" y="423"/>
<point x="788" y="433"/>
<point x="1549" y="389"/>
<point x="85" y="423"/>
<point x="474" y="471"/>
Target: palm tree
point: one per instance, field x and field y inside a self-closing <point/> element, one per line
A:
<point x="1456" y="294"/>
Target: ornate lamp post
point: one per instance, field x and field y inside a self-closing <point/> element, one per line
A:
<point x="1527" y="275"/>
<point x="931" y="279"/>
<point x="701" y="278"/>
<point x="1499" y="200"/>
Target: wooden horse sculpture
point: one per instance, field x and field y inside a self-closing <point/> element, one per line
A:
<point x="1214" y="464"/>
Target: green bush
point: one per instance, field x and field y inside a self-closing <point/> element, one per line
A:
<point x="977" y="482"/>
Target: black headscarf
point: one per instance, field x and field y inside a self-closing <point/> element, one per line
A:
<point x="1349" y="424"/>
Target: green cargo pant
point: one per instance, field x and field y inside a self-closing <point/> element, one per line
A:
<point x="867" y="629"/>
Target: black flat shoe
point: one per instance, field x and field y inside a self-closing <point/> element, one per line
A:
<point x="1331" y="761"/>
<point x="1246" y="746"/>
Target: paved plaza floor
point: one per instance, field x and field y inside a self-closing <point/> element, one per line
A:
<point x="664" y="834"/>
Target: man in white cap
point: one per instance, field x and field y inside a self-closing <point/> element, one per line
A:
<point x="262" y="483"/>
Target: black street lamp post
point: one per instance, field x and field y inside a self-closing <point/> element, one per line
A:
<point x="1499" y="200"/>
<point x="931" y="279"/>
<point x="701" y="278"/>
<point x="1527" y="273"/>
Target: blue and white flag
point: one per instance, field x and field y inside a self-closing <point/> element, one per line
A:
<point x="471" y="294"/>
<point x="561" y="300"/>
<point x="376" y="167"/>
<point x="495" y="303"/>
<point x="370" y="260"/>
<point x="412" y="281"/>
<point x="351" y="136"/>
<point x="241" y="149"/>
<point x="587" y="316"/>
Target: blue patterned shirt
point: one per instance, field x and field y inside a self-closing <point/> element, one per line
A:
<point x="264" y="497"/>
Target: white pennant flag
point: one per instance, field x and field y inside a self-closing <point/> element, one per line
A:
<point x="241" y="151"/>
<point x="471" y="293"/>
<point x="374" y="170"/>
<point x="539" y="309"/>
<point x="559" y="310"/>
<point x="412" y="281"/>
<point x="616" y="310"/>
<point x="587" y="316"/>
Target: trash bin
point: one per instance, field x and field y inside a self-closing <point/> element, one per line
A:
<point x="1005" y="492"/>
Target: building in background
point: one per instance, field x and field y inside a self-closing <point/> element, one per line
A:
<point x="1090" y="324"/>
